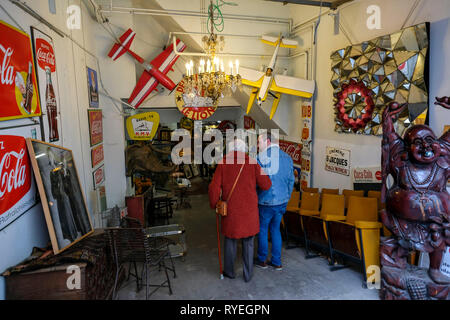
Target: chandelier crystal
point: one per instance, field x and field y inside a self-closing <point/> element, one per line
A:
<point x="212" y="79"/>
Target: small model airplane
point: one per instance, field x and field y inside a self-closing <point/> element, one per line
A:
<point x="265" y="82"/>
<point x="155" y="71"/>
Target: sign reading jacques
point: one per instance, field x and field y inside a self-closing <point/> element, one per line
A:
<point x="17" y="192"/>
<point x="338" y="161"/>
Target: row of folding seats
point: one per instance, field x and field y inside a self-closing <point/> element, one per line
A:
<point x="344" y="225"/>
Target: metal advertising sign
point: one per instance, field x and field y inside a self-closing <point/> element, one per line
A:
<point x="48" y="85"/>
<point x="306" y="151"/>
<point x="366" y="175"/>
<point x="17" y="190"/>
<point x="142" y="126"/>
<point x="18" y="85"/>
<point x="95" y="126"/>
<point x="293" y="149"/>
<point x="338" y="160"/>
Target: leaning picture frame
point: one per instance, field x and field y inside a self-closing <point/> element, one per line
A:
<point x="195" y="170"/>
<point x="63" y="202"/>
<point x="187" y="171"/>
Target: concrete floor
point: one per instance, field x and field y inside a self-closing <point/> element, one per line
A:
<point x="198" y="275"/>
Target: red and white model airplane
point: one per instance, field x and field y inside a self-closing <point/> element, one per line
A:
<point x="155" y="71"/>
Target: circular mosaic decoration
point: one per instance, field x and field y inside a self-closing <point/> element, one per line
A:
<point x="355" y="97"/>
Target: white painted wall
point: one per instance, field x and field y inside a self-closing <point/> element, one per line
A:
<point x="18" y="239"/>
<point x="366" y="150"/>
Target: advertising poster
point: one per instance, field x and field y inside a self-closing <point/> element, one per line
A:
<point x="92" y="88"/>
<point x="95" y="126"/>
<point x="366" y="175"/>
<point x="337" y="160"/>
<point x="97" y="155"/>
<point x="99" y="176"/>
<point x="142" y="126"/>
<point x="293" y="149"/>
<point x="18" y="84"/>
<point x="17" y="187"/>
<point x="306" y="151"/>
<point x="44" y="55"/>
<point x="249" y="123"/>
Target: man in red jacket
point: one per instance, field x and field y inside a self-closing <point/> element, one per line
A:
<point x="242" y="220"/>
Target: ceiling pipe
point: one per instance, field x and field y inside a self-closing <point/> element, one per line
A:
<point x="185" y="13"/>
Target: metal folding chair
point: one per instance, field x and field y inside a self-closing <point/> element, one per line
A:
<point x="133" y="245"/>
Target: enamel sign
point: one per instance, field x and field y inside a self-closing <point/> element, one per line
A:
<point x="18" y="86"/>
<point x="17" y="190"/>
<point x="142" y="126"/>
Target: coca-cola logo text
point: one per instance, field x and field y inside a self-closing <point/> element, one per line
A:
<point x="6" y="71"/>
<point x="293" y="150"/>
<point x="12" y="175"/>
<point x="45" y="55"/>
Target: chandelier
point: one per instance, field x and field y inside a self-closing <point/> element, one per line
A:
<point x="212" y="80"/>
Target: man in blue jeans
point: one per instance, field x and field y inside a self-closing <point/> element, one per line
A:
<point x="272" y="203"/>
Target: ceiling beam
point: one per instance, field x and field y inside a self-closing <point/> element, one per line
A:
<point x="306" y="2"/>
<point x="328" y="4"/>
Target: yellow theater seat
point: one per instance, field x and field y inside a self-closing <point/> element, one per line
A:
<point x="291" y="221"/>
<point x="357" y="238"/>
<point x="381" y="206"/>
<point x="330" y="191"/>
<point x="314" y="224"/>
<point x="348" y="193"/>
<point x="311" y="190"/>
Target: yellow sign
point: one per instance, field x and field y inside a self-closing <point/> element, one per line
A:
<point x="143" y="126"/>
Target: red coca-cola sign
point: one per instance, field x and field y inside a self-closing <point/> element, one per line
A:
<point x="294" y="150"/>
<point x="15" y="179"/>
<point x="18" y="85"/>
<point x="45" y="55"/>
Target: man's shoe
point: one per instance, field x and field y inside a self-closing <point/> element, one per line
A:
<point x="260" y="264"/>
<point x="227" y="276"/>
<point x="278" y="268"/>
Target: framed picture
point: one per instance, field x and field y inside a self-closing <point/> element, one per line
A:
<point x="95" y="118"/>
<point x="97" y="155"/>
<point x="63" y="202"/>
<point x="187" y="171"/>
<point x="164" y="134"/>
<point x="92" y="88"/>
<point x="47" y="78"/>
<point x="99" y="176"/>
<point x="195" y="170"/>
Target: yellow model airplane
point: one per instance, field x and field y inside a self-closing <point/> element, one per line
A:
<point x="264" y="82"/>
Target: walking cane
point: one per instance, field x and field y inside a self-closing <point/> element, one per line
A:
<point x="218" y="246"/>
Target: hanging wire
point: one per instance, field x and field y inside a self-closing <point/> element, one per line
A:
<point x="13" y="20"/>
<point x="215" y="17"/>
<point x="413" y="8"/>
<point x="317" y="23"/>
